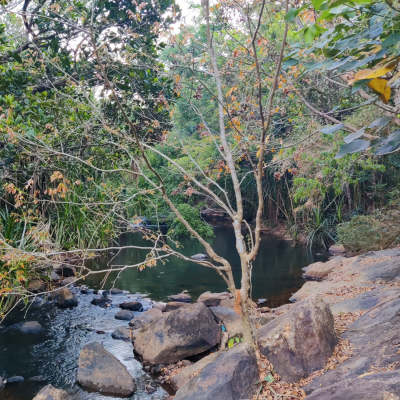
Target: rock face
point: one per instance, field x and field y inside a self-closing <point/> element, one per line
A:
<point x="122" y="333"/>
<point x="375" y="337"/>
<point x="214" y="299"/>
<point x="174" y="305"/>
<point x="51" y="393"/>
<point x="301" y="340"/>
<point x="101" y="302"/>
<point x="181" y="333"/>
<point x="65" y="298"/>
<point x="232" y="376"/>
<point x="183" y="297"/>
<point x="132" y="306"/>
<point x="228" y="318"/>
<point x="124" y="315"/>
<point x="31" y="327"/>
<point x="379" y="386"/>
<point x="99" y="370"/>
<point x="140" y="320"/>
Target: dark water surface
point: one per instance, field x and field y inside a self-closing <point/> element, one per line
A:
<point x="277" y="269"/>
<point x="54" y="355"/>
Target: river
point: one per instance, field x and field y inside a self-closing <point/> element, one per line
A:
<point x="54" y="355"/>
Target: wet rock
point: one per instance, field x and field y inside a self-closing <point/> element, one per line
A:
<point x="337" y="250"/>
<point x="229" y="319"/>
<point x="124" y="315"/>
<point x="38" y="378"/>
<point x="132" y="306"/>
<point x="85" y="290"/>
<point x="31" y="327"/>
<point x="54" y="276"/>
<point x="101" y="302"/>
<point x="199" y="257"/>
<point x="140" y="320"/>
<point x="66" y="299"/>
<point x="159" y="306"/>
<point x="183" y="377"/>
<point x="174" y="305"/>
<point x="14" y="379"/>
<point x="151" y="388"/>
<point x="37" y="286"/>
<point x="68" y="281"/>
<point x="154" y="312"/>
<point x="66" y="271"/>
<point x="379" y="386"/>
<point x="99" y="370"/>
<point x="51" y="393"/>
<point x="232" y="376"/>
<point x="122" y="333"/>
<point x="114" y="291"/>
<point x="177" y="335"/>
<point x="1" y="383"/>
<point x="214" y="299"/>
<point x="301" y="340"/>
<point x="183" y="297"/>
<point x="375" y="338"/>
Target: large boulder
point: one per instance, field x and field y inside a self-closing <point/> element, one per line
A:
<point x="183" y="297"/>
<point x="375" y="338"/>
<point x="31" y="327"/>
<point x="379" y="386"/>
<point x="66" y="299"/>
<point x="154" y="312"/>
<point x="179" y="334"/>
<point x="301" y="340"/>
<point x="229" y="319"/>
<point x="214" y="299"/>
<point x="99" y="370"/>
<point x="321" y="270"/>
<point x="124" y="315"/>
<point x="174" y="305"/>
<point x="122" y="333"/>
<point x="132" y="306"/>
<point x="51" y="393"/>
<point x="140" y="320"/>
<point x="337" y="250"/>
<point x="232" y="376"/>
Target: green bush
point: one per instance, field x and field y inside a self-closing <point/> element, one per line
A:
<point x="192" y="216"/>
<point x="370" y="232"/>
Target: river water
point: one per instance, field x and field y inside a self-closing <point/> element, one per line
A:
<point x="54" y="354"/>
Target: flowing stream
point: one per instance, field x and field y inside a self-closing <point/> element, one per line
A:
<point x="54" y="355"/>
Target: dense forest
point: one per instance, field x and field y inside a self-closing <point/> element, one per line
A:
<point x="283" y="115"/>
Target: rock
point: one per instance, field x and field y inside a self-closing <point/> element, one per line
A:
<point x="66" y="271"/>
<point x="375" y="339"/>
<point x="379" y="386"/>
<point x="261" y="301"/>
<point x="54" y="276"/>
<point x="181" y="379"/>
<point x="68" y="281"/>
<point x="99" y="370"/>
<point x="265" y="309"/>
<point x="113" y="291"/>
<point x="132" y="306"/>
<point x="159" y="306"/>
<point x="65" y="298"/>
<point x="51" y="393"/>
<point x="1" y="383"/>
<point x="232" y="376"/>
<point x="122" y="333"/>
<point x="321" y="270"/>
<point x="134" y="335"/>
<point x="31" y="327"/>
<point x="262" y="319"/>
<point x="217" y="217"/>
<point x="124" y="315"/>
<point x="36" y="286"/>
<point x="183" y="297"/>
<point x="214" y="299"/>
<point x="37" y="378"/>
<point x="301" y="340"/>
<point x="101" y="302"/>
<point x="14" y="379"/>
<point x="154" y="312"/>
<point x="85" y="290"/>
<point x="174" y="305"/>
<point x="229" y="319"/>
<point x="179" y="334"/>
<point x="337" y="250"/>
<point x="151" y="388"/>
<point x="199" y="257"/>
<point x="140" y="320"/>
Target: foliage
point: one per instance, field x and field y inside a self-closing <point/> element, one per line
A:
<point x="193" y="218"/>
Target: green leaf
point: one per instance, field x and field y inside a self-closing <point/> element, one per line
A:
<point x="269" y="378"/>
<point x="308" y="36"/>
<point x="391" y="40"/>
<point x="317" y="4"/>
<point x="359" y="85"/>
<point x="353" y="147"/>
<point x="237" y="340"/>
<point x="328" y="130"/>
<point x="383" y="121"/>
<point x="290" y="62"/>
<point x="390" y="144"/>
<point x="294" y="12"/>
<point x="231" y="342"/>
<point x="354" y="135"/>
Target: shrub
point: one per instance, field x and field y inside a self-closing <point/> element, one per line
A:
<point x="371" y="232"/>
